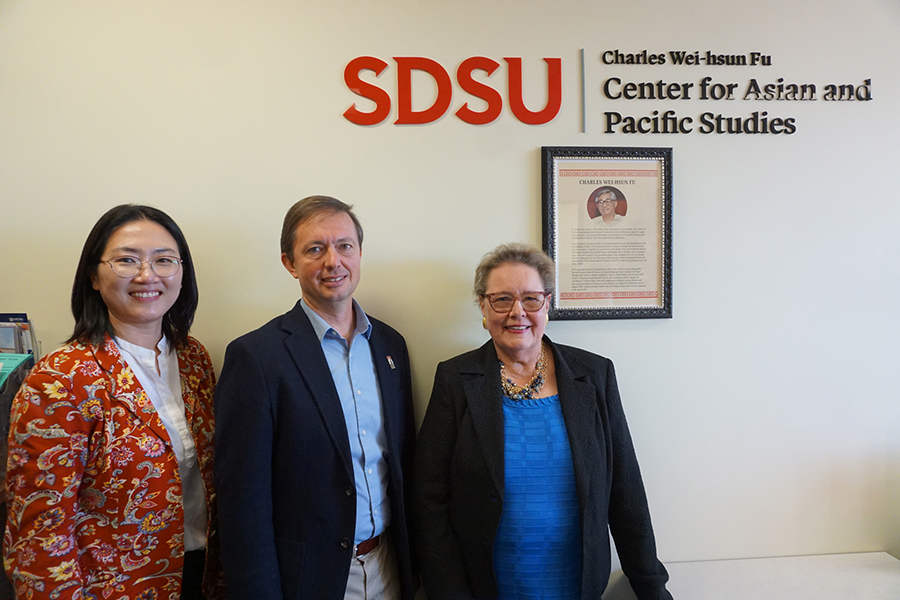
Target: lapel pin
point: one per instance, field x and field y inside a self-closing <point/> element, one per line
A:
<point x="391" y="362"/>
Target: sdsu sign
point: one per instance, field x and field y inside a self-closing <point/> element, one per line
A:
<point x="724" y="106"/>
<point x="466" y="81"/>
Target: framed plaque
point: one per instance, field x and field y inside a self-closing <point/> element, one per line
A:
<point x="608" y="227"/>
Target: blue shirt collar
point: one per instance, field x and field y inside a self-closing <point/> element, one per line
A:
<point x="321" y="326"/>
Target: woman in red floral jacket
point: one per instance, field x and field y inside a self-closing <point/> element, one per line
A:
<point x="109" y="483"/>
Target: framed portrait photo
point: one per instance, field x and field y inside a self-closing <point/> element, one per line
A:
<point x="608" y="227"/>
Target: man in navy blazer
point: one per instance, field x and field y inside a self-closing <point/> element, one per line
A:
<point x="314" y="431"/>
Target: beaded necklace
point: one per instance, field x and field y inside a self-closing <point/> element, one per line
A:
<point x="531" y="389"/>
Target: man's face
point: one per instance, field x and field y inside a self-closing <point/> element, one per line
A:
<point x="326" y="261"/>
<point x="606" y="205"/>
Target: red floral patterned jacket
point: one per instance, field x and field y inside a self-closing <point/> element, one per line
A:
<point x="93" y="488"/>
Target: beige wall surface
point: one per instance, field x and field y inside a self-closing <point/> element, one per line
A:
<point x="765" y="413"/>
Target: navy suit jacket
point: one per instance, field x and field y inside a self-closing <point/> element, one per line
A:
<point x="459" y="477"/>
<point x="286" y="493"/>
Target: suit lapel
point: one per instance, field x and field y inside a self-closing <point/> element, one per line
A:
<point x="127" y="390"/>
<point x="306" y="352"/>
<point x="578" y="399"/>
<point x="481" y="383"/>
<point x="389" y="384"/>
<point x="189" y="393"/>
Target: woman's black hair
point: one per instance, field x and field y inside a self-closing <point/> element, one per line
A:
<point x="90" y="312"/>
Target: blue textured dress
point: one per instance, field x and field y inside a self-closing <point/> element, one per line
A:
<point x="537" y="550"/>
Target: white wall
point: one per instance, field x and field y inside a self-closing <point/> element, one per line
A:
<point x="765" y="413"/>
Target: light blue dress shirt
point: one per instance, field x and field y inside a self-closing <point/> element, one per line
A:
<point x="353" y="372"/>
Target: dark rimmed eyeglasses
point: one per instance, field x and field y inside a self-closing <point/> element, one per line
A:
<point x="128" y="267"/>
<point x="502" y="302"/>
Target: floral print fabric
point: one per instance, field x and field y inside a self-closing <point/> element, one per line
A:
<point x="93" y="488"/>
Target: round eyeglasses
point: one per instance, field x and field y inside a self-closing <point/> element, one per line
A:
<point x="607" y="201"/>
<point x="502" y="302"/>
<point x="129" y="266"/>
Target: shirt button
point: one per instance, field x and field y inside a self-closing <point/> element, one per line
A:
<point x="359" y="392"/>
<point x="370" y="471"/>
<point x="364" y="432"/>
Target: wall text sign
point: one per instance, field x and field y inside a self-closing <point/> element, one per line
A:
<point x="475" y="78"/>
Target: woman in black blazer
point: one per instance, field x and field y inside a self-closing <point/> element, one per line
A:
<point x="524" y="459"/>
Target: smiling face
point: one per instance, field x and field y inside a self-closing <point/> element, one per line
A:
<point x="606" y="205"/>
<point x="326" y="262"/>
<point x="136" y="305"/>
<point x="517" y="334"/>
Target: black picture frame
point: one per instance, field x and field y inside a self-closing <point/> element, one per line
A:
<point x="639" y="286"/>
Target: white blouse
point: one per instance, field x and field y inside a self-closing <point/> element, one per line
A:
<point x="164" y="390"/>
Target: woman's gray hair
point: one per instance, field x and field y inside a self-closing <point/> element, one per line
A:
<point x="517" y="254"/>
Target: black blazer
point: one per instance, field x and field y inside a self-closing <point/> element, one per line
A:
<point x="286" y="494"/>
<point x="458" y="477"/>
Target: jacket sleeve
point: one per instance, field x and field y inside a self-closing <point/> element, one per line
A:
<point x="629" y="515"/>
<point x="440" y="557"/>
<point x="48" y="447"/>
<point x="243" y="476"/>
